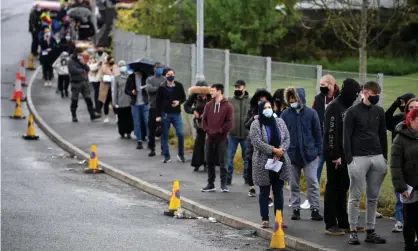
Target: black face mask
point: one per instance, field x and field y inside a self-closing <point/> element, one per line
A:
<point x="324" y="89"/>
<point x="238" y="93"/>
<point x="100" y="53"/>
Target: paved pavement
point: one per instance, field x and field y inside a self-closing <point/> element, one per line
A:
<point x="122" y="154"/>
<point x="48" y="203"/>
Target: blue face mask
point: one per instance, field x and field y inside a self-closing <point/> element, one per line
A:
<point x="170" y="78"/>
<point x="268" y="112"/>
<point x="123" y="69"/>
<point x="374" y="99"/>
<point x="159" y="71"/>
<point x="294" y="105"/>
<point x="67" y="38"/>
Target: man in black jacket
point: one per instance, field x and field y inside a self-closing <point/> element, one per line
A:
<point x="338" y="182"/>
<point x="78" y="71"/>
<point x="365" y="149"/>
<point x="35" y="28"/>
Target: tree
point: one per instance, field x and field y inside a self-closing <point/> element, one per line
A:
<point x="359" y="23"/>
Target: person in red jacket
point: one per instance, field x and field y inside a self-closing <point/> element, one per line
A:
<point x="217" y="121"/>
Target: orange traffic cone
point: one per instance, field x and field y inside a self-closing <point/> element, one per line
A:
<point x="18" y="93"/>
<point x="93" y="161"/>
<point x="277" y="238"/>
<point x="30" y="132"/>
<point x="17" y="114"/>
<point x="31" y="65"/>
<point x="22" y="72"/>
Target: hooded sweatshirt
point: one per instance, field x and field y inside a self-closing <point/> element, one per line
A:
<point x="321" y="102"/>
<point x="218" y="119"/>
<point x="304" y="129"/>
<point x="119" y="96"/>
<point x="61" y="64"/>
<point x="152" y="85"/>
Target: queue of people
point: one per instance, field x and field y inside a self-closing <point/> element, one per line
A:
<point x="279" y="136"/>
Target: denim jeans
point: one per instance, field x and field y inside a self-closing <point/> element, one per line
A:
<point x="276" y="185"/>
<point x="398" y="208"/>
<point x="320" y="166"/>
<point x="232" y="149"/>
<point x="139" y="113"/>
<point x="175" y="120"/>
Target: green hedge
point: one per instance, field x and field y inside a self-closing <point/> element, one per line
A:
<point x="387" y="66"/>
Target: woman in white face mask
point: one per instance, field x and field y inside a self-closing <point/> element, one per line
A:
<point x="122" y="102"/>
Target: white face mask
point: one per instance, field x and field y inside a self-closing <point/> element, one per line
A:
<point x="294" y="105"/>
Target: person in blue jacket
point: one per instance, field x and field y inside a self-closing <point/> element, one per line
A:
<point x="305" y="148"/>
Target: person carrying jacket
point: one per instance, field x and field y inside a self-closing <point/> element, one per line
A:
<point x="338" y="182"/>
<point x="152" y="85"/>
<point x="305" y="148"/>
<point x="404" y="169"/>
<point x="391" y="122"/>
<point x="78" y="70"/>
<point x="238" y="135"/>
<point x="170" y="97"/>
<point x="260" y="95"/>
<point x="135" y="88"/>
<point x="217" y="121"/>
<point x="61" y="67"/>
<point x="122" y="102"/>
<point x="365" y="150"/>
<point x="195" y="104"/>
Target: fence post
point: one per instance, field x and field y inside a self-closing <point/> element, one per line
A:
<point x="318" y="77"/>
<point x="193" y="64"/>
<point x="226" y="73"/>
<point x="380" y="78"/>
<point x="268" y="73"/>
<point x="148" y="47"/>
<point x="167" y="52"/>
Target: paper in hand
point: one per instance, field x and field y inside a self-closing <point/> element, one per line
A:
<point x="274" y="165"/>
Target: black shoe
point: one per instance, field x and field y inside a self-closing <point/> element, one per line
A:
<point x="316" y="216"/>
<point x="372" y="237"/>
<point x="353" y="240"/>
<point x="94" y="116"/>
<point x="62" y="95"/>
<point x="196" y="169"/>
<point x="66" y="94"/>
<point x="181" y="158"/>
<point x="229" y="182"/>
<point x="336" y="231"/>
<point x="139" y="146"/>
<point x="209" y="188"/>
<point x="245" y="181"/>
<point x="296" y="214"/>
<point x="75" y="119"/>
<point x="122" y="136"/>
<point x="151" y="154"/>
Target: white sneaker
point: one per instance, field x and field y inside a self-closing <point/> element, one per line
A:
<point x="46" y="83"/>
<point x="398" y="227"/>
<point x="106" y="120"/>
<point x="305" y="205"/>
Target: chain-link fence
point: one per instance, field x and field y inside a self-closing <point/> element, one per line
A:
<point x="258" y="72"/>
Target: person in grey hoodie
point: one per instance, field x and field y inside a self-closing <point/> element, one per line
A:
<point x="152" y="85"/>
<point x="122" y="102"/>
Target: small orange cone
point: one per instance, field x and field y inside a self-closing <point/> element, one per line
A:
<point x="31" y="65"/>
<point x="93" y="161"/>
<point x="18" y="93"/>
<point x="30" y="132"/>
<point x="277" y="238"/>
<point x="22" y="72"/>
<point x="17" y="114"/>
<point x="175" y="202"/>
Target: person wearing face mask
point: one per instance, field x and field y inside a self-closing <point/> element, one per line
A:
<point x="48" y="51"/>
<point x="238" y="135"/>
<point x="338" y="182"/>
<point x="279" y="104"/>
<point x="365" y="150"/>
<point x="404" y="169"/>
<point x="391" y="122"/>
<point x="78" y="70"/>
<point x="122" y="102"/>
<point x="152" y="85"/>
<point x="304" y="151"/>
<point x="271" y="139"/>
<point x="101" y="55"/>
<point x="61" y="67"/>
<point x="107" y="73"/>
<point x="94" y="78"/>
<point x="67" y="44"/>
<point x="195" y="104"/>
<point x="170" y="96"/>
<point x="34" y="28"/>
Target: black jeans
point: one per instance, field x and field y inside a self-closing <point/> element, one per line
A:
<point x="96" y="86"/>
<point x="152" y="125"/>
<point x="216" y="152"/>
<point x="47" y="71"/>
<point x="198" y="158"/>
<point x="410" y="225"/>
<point x="35" y="43"/>
<point x="63" y="83"/>
<point x="276" y="185"/>
<point x="335" y="201"/>
<point x="250" y="173"/>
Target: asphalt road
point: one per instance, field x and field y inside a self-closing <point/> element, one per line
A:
<point x="48" y="203"/>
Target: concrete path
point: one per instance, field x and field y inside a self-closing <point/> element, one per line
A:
<point x="122" y="154"/>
